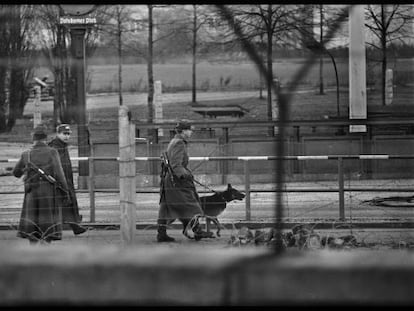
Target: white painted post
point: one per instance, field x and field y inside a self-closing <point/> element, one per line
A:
<point x="158" y="104"/>
<point x="389" y="93"/>
<point x="37" y="114"/>
<point x="357" y="68"/>
<point x="275" y="101"/>
<point x="127" y="188"/>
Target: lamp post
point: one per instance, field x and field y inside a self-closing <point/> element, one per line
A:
<point x="76" y="18"/>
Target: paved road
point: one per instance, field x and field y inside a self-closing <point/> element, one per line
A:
<point x="112" y="99"/>
<point x="96" y="101"/>
<point x="298" y="206"/>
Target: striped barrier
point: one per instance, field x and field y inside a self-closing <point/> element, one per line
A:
<point x="255" y="158"/>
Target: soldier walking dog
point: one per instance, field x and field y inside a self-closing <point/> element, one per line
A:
<point x="178" y="195"/>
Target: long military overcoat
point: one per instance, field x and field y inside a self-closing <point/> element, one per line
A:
<point x="41" y="216"/>
<point x="179" y="198"/>
<point x="70" y="212"/>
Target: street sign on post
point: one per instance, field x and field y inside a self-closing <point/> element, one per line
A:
<point x="77" y="9"/>
<point x="77" y="19"/>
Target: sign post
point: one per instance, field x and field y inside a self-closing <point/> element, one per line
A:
<point x="76" y="18"/>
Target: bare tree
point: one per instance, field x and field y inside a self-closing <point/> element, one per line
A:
<point x="194" y="52"/>
<point x="388" y="23"/>
<point x="118" y="18"/>
<point x="54" y="46"/>
<point x="150" y="101"/>
<point x="21" y="61"/>
<point x="150" y="61"/>
<point x="305" y="25"/>
<point x="273" y="22"/>
<point x="4" y="52"/>
<point x="18" y="62"/>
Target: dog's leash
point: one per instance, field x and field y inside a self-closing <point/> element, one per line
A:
<point x="166" y="161"/>
<point x="207" y="187"/>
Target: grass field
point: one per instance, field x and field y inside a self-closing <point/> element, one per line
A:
<point x="243" y="76"/>
<point x="303" y="106"/>
<point x="228" y="76"/>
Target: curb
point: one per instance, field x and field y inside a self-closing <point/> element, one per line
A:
<point x="256" y="225"/>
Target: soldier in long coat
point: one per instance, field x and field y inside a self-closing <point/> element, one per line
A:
<point x="70" y="212"/>
<point x="179" y="198"/>
<point x="41" y="216"/>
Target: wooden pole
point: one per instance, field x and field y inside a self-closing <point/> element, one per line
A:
<point x="127" y="187"/>
<point x="91" y="187"/>
<point x="341" y="189"/>
<point x="247" y="188"/>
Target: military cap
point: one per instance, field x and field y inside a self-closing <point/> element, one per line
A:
<point x="39" y="133"/>
<point x="63" y="128"/>
<point x="184" y="125"/>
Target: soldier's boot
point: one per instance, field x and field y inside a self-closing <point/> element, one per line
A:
<point x="77" y="228"/>
<point x="199" y="233"/>
<point x="162" y="232"/>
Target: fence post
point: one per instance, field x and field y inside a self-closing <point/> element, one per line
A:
<point x="91" y="187"/>
<point x="247" y="188"/>
<point x="225" y="148"/>
<point x="127" y="183"/>
<point x="341" y="189"/>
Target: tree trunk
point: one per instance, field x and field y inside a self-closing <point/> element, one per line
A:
<point x="321" y="86"/>
<point x="151" y="132"/>
<point x="194" y="99"/>
<point x="64" y="104"/>
<point x="120" y="61"/>
<point x="150" y="72"/>
<point x="18" y="92"/>
<point x="269" y="77"/>
<point x="3" y="98"/>
<point x="384" y="54"/>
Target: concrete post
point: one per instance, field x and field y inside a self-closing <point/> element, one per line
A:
<point x="389" y="94"/>
<point x="37" y="114"/>
<point x="127" y="183"/>
<point x="158" y="104"/>
<point x="357" y="68"/>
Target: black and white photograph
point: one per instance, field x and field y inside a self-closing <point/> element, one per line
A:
<point x="160" y="154"/>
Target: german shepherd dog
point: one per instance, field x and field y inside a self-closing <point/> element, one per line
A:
<point x="213" y="205"/>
